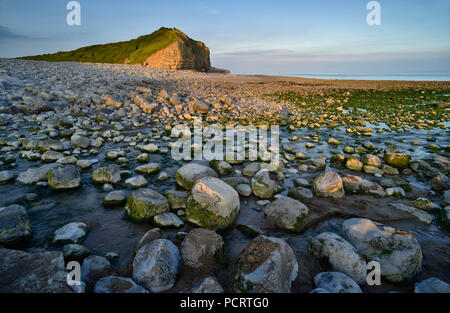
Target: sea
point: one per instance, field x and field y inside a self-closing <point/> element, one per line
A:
<point x="396" y="76"/>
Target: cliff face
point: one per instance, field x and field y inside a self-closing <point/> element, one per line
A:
<point x="183" y="54"/>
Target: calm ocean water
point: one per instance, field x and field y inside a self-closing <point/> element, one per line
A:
<point x="408" y="76"/>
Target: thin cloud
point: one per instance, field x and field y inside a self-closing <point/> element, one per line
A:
<point x="6" y="33"/>
<point x="212" y="11"/>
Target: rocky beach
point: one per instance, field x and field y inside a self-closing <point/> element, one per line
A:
<point x="87" y="175"/>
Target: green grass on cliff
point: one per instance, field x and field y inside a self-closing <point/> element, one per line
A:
<point x="136" y="50"/>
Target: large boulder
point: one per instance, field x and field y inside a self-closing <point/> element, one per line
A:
<point x="263" y="185"/>
<point x="200" y="248"/>
<point x="14" y="225"/>
<point x="212" y="204"/>
<point x="6" y="177"/>
<point x="333" y="250"/>
<point x="336" y="282"/>
<point x="432" y="285"/>
<point x="189" y="173"/>
<point x="48" y="144"/>
<point x="115" y="284"/>
<point x="157" y="265"/>
<point x="70" y="233"/>
<point x="109" y="174"/>
<point x="251" y="169"/>
<point x="78" y="141"/>
<point x="399" y="253"/>
<point x="150" y="148"/>
<point x="287" y="213"/>
<point x="64" y="177"/>
<point x="93" y="268"/>
<point x="354" y="164"/>
<point x="329" y="184"/>
<point x="75" y="252"/>
<point x="440" y="182"/>
<point x="136" y="182"/>
<point x="23" y="272"/>
<point x="148" y="169"/>
<point x="145" y="203"/>
<point x="115" y="198"/>
<point x="221" y="167"/>
<point x="35" y="174"/>
<point x="167" y="219"/>
<point x="395" y="158"/>
<point x="301" y="193"/>
<point x="267" y="264"/>
<point x="358" y="185"/>
<point x="371" y="160"/>
<point x="51" y="156"/>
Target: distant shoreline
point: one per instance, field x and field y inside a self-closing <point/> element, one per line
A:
<point x="378" y="77"/>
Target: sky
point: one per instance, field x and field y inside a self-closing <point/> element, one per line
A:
<point x="247" y="36"/>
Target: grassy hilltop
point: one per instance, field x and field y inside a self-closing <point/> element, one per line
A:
<point x="134" y="51"/>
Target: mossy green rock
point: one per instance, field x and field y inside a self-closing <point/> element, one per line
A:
<point x="267" y="264"/>
<point x="287" y="213"/>
<point x="395" y="158"/>
<point x="221" y="167"/>
<point x="14" y="224"/>
<point x="329" y="184"/>
<point x="212" y="204"/>
<point x="398" y="252"/>
<point x="148" y="169"/>
<point x="64" y="177"/>
<point x="109" y="174"/>
<point x="145" y="203"/>
<point x="354" y="164"/>
<point x="177" y="199"/>
<point x="263" y="186"/>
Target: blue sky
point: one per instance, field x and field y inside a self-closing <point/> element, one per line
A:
<point x="246" y="36"/>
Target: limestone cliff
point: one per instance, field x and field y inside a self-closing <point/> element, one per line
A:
<point x="183" y="54"/>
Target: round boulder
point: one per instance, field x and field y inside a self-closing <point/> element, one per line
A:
<point x="145" y="203"/>
<point x="395" y="158"/>
<point x="212" y="204"/>
<point x="14" y="224"/>
<point x="336" y="282"/>
<point x="200" y="247"/>
<point x="157" y="265"/>
<point x="266" y="265"/>
<point x="64" y="177"/>
<point x="109" y="174"/>
<point x="329" y="184"/>
<point x="287" y="213"/>
<point x="334" y="250"/>
<point x="93" y="268"/>
<point x="189" y="173"/>
<point x="398" y="252"/>
<point x="432" y="285"/>
<point x="70" y="233"/>
<point x="263" y="185"/>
